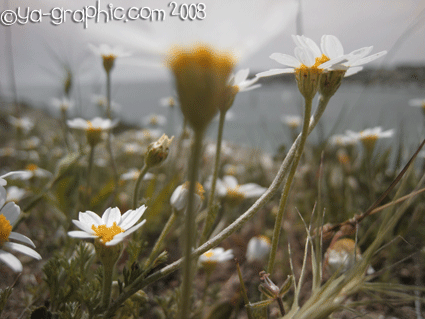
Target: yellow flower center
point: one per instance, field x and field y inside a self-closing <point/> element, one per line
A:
<point x="345" y="245"/>
<point x="315" y="67"/>
<point x="5" y="229"/>
<point x="264" y="239"/>
<point x="199" y="190"/>
<point x="171" y="102"/>
<point x="109" y="57"/>
<point x="153" y="120"/>
<point x="107" y="233"/>
<point x="208" y="254"/>
<point x="200" y="57"/>
<point x="91" y="128"/>
<point x="234" y="196"/>
<point x="31" y="167"/>
<point x="369" y="140"/>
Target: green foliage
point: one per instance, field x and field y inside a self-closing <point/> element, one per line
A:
<point x="4" y="295"/>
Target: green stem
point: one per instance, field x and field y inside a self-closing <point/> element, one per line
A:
<point x="108" y="95"/>
<point x="107" y="284"/>
<point x="209" y="221"/>
<point x="65" y="129"/>
<point x="288" y="183"/>
<point x="89" y="173"/>
<point x="137" y="186"/>
<point x="141" y="282"/>
<point x="160" y="239"/>
<point x="190" y="226"/>
<point x="109" y="139"/>
<point x="204" y="297"/>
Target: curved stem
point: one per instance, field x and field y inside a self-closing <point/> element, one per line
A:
<point x="209" y="221"/>
<point x="286" y="189"/>
<point x="137" y="186"/>
<point x="141" y="282"/>
<point x="189" y="228"/>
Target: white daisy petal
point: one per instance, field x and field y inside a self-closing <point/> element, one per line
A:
<point x="83" y="226"/>
<point x="11" y="211"/>
<point x="369" y="58"/>
<point x="285" y="59"/>
<point x="241" y="75"/>
<point x="11" y="261"/>
<point x="89" y="217"/>
<point x="274" y="72"/>
<point x="80" y="234"/>
<point x="331" y="46"/>
<point x="22" y="249"/>
<point x="21" y="238"/>
<point x="230" y="181"/>
<point x="133" y="218"/>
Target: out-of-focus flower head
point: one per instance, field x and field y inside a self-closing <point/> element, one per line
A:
<point x="180" y="196"/>
<point x="62" y="104"/>
<point x="369" y="136"/>
<point x="9" y="214"/>
<point x="258" y="249"/>
<point x="108" y="54"/>
<point x="93" y="128"/>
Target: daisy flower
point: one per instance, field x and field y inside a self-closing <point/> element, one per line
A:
<point x="101" y="101"/>
<point x="31" y="170"/>
<point x="341" y="257"/>
<point x="9" y="214"/>
<point x="332" y="49"/>
<point x="258" y="249"/>
<point x="307" y="55"/>
<point x="167" y="102"/>
<point x="23" y="124"/>
<point x="133" y="174"/>
<point x="97" y="123"/>
<point x="369" y="136"/>
<point x="111" y="229"/>
<point x="108" y="54"/>
<point x="15" y="194"/>
<point x="229" y="188"/>
<point x="180" y="196"/>
<point x="240" y="82"/>
<point x="93" y="128"/>
<point x="154" y="120"/>
<point x="293" y="121"/>
<point x="62" y="104"/>
<point x="216" y="255"/>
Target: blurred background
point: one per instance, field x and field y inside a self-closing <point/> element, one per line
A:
<point x="36" y="58"/>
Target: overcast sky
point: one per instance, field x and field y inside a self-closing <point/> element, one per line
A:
<point x="254" y="28"/>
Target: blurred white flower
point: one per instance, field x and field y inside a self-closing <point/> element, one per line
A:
<point x="62" y="104"/>
<point x="101" y="101"/>
<point x="15" y="194"/>
<point x="240" y="82"/>
<point x="24" y="124"/>
<point x="258" y="249"/>
<point x="180" y="195"/>
<point x="9" y="214"/>
<point x="293" y="121"/>
<point x="341" y="257"/>
<point x="133" y="174"/>
<point x="154" y="120"/>
<point x="31" y="170"/>
<point x="104" y="50"/>
<point x="369" y="136"/>
<point x="229" y="188"/>
<point x="133" y="148"/>
<point x="168" y="101"/>
<point x="111" y="229"/>
<point x="342" y="140"/>
<point x="97" y="124"/>
<point x="216" y="255"/>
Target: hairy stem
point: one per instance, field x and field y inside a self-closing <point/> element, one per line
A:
<point x="189" y="221"/>
<point x="287" y="187"/>
<point x="209" y="221"/>
<point x="137" y="186"/>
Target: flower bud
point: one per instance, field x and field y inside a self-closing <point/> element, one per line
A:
<point x="158" y="151"/>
